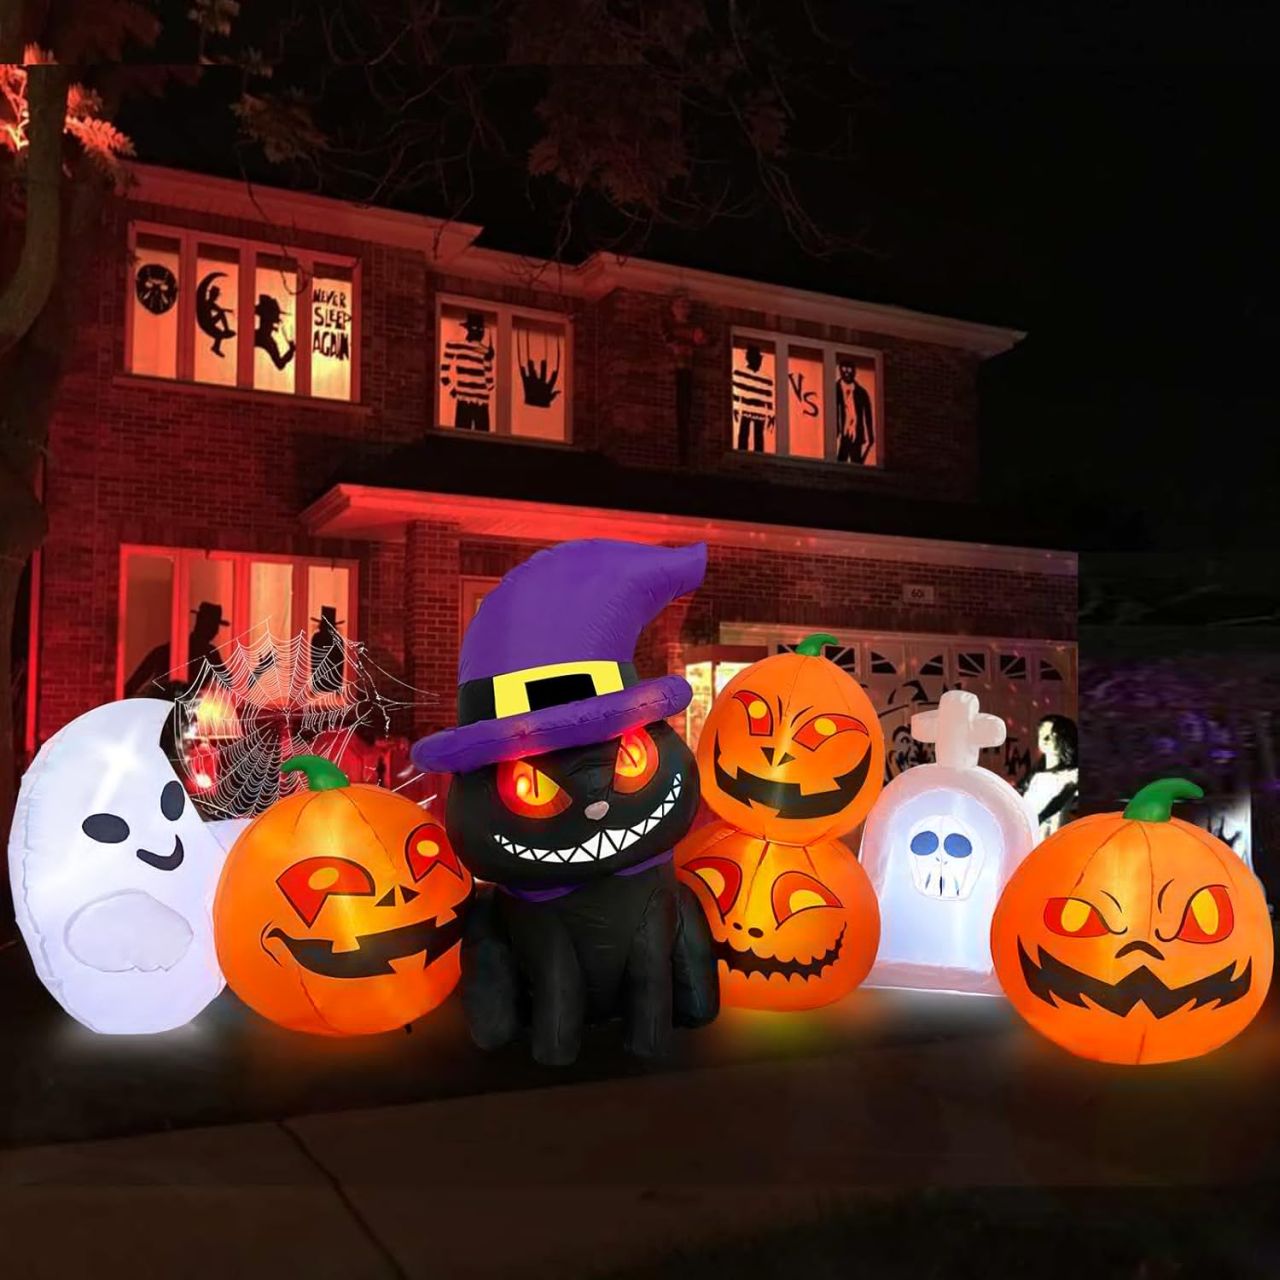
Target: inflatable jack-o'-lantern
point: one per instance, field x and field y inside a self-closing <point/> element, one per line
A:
<point x="338" y="910"/>
<point x="1135" y="937"/>
<point x="939" y="846"/>
<point x="792" y="749"/>
<point x="794" y="926"/>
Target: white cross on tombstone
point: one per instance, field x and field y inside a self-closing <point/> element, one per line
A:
<point x="958" y="729"/>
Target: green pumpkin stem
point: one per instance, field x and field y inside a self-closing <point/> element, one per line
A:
<point x="811" y="646"/>
<point x="1154" y="803"/>
<point x="322" y="774"/>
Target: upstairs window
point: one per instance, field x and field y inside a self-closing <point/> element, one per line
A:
<point x="801" y="399"/>
<point x="234" y="313"/>
<point x="502" y="370"/>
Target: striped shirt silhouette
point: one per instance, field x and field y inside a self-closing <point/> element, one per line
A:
<point x="467" y="370"/>
<point x="752" y="394"/>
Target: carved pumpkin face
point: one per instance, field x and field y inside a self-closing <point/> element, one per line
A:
<point x="1134" y="937"/>
<point x="794" y="927"/>
<point x="339" y="909"/>
<point x="792" y="749"/>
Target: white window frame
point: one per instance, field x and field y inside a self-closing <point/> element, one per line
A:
<point x="179" y="623"/>
<point x="781" y="343"/>
<point x="500" y="424"/>
<point x="308" y="263"/>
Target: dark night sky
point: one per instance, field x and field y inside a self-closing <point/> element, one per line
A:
<point x="1102" y="183"/>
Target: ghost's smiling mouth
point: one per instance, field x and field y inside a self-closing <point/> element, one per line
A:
<point x="604" y="844"/>
<point x="163" y="861"/>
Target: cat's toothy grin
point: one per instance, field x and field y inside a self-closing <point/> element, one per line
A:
<point x="604" y="844"/>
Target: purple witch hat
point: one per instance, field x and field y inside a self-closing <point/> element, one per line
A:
<point x="548" y="660"/>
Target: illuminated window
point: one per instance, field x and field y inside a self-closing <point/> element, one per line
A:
<point x="157" y="275"/>
<point x="198" y="605"/>
<point x="234" y="313"/>
<point x="802" y="399"/>
<point x="502" y="370"/>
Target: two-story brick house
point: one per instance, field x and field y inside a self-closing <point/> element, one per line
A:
<point x="295" y="413"/>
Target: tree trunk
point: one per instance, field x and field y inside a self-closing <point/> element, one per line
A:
<point x="33" y="336"/>
<point x="28" y="382"/>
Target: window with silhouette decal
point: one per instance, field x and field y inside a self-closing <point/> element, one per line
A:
<point x="235" y="313"/>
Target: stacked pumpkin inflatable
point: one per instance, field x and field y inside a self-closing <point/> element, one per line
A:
<point x="791" y="757"/>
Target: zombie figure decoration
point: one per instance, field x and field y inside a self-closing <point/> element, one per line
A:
<point x="570" y="792"/>
<point x="682" y="338"/>
<point x="266" y="336"/>
<point x="855" y="422"/>
<point x="466" y="372"/>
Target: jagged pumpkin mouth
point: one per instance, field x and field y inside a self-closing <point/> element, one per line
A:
<point x="786" y="798"/>
<point x="373" y="953"/>
<point x="748" y="962"/>
<point x="1057" y="983"/>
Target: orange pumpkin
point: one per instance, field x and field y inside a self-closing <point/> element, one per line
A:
<point x="792" y="749"/>
<point x="339" y="909"/>
<point x="1134" y="937"/>
<point x="794" y="927"/>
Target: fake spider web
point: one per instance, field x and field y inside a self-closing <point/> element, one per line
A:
<point x="261" y="700"/>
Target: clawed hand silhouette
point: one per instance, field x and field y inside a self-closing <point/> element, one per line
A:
<point x="539" y="389"/>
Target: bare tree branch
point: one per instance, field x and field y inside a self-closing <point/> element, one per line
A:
<point x="28" y="290"/>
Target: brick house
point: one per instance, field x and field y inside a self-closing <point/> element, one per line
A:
<point x="271" y="418"/>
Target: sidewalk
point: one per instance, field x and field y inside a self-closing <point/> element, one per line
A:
<point x="585" y="1178"/>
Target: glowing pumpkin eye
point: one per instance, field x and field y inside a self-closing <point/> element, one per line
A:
<point x="637" y="762"/>
<point x="529" y="792"/>
<point x="813" y="733"/>
<point x="759" y="717"/>
<point x="722" y="876"/>
<point x="309" y="884"/>
<point x="1209" y="916"/>
<point x="794" y="891"/>
<point x="1074" y="918"/>
<point x="427" y="848"/>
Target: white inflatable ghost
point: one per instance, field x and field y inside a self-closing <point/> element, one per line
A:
<point x="113" y="874"/>
<point x="939" y="846"/>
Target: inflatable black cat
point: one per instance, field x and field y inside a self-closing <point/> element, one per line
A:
<point x="570" y="792"/>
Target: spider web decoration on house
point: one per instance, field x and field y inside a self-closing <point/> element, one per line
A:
<point x="264" y="699"/>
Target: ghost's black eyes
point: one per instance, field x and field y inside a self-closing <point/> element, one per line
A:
<point x="105" y="828"/>
<point x="171" y="800"/>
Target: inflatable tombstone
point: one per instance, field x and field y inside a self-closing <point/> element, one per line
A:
<point x="939" y="847"/>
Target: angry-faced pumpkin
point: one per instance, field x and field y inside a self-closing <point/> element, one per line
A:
<point x="339" y="909"/>
<point x="792" y="749"/>
<point x="794" y="926"/>
<point x="1134" y="937"/>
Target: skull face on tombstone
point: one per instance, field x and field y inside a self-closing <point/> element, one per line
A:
<point x="946" y="856"/>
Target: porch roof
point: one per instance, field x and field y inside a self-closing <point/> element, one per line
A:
<point x="382" y="513"/>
